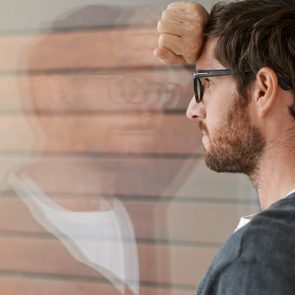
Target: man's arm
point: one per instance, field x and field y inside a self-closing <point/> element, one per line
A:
<point x="181" y="33"/>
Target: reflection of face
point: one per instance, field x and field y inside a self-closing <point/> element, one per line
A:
<point x="102" y="93"/>
<point x="232" y="143"/>
<point x="111" y="109"/>
<point x="125" y="111"/>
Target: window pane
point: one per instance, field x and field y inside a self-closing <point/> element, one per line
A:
<point x="103" y="185"/>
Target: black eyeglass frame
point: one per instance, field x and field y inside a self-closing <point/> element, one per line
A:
<point x="199" y="89"/>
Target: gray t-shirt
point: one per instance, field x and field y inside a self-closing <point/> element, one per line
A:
<point x="259" y="258"/>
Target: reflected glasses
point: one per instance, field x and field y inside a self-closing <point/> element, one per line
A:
<point x="199" y="89"/>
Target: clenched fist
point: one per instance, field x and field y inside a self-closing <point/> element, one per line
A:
<point x="181" y="33"/>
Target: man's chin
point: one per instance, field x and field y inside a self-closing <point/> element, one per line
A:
<point x="217" y="163"/>
<point x="226" y="165"/>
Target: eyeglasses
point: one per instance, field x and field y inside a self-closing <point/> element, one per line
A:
<point x="198" y="85"/>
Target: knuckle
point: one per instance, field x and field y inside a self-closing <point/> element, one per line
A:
<point x="165" y="14"/>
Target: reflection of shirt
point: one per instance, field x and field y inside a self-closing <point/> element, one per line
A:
<point x="104" y="240"/>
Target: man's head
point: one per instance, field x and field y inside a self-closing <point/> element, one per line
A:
<point x="255" y="39"/>
<point x="253" y="34"/>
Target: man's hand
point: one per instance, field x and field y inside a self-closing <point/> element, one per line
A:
<point x="181" y="33"/>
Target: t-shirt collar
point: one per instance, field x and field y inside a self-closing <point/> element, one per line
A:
<point x="246" y="219"/>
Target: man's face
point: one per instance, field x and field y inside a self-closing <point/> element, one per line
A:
<point x="232" y="142"/>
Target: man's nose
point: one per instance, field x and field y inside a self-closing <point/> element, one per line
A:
<point x="195" y="110"/>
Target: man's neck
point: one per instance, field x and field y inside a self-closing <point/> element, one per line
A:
<point x="275" y="177"/>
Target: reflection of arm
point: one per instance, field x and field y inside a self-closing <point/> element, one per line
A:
<point x="252" y="277"/>
<point x="181" y="33"/>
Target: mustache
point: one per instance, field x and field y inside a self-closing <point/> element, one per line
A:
<point x="203" y="127"/>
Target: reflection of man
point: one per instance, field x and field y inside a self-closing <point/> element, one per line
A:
<point x="244" y="105"/>
<point x="129" y="109"/>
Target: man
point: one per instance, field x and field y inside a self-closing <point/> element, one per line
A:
<point x="244" y="104"/>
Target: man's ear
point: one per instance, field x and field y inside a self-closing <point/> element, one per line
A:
<point x="264" y="91"/>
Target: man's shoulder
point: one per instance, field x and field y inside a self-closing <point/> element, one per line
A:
<point x="271" y="229"/>
<point x="269" y="232"/>
<point x="268" y="241"/>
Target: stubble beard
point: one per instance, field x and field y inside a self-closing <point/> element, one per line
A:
<point x="236" y="146"/>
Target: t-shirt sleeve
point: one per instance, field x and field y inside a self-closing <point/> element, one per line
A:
<point x="248" y="278"/>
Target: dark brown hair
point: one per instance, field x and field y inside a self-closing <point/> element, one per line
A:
<point x="253" y="34"/>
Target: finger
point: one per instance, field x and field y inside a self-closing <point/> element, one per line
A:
<point x="172" y="27"/>
<point x="177" y="16"/>
<point x="191" y="32"/>
<point x="171" y="42"/>
<point x="168" y="57"/>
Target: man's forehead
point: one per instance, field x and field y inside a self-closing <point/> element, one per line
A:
<point x="207" y="58"/>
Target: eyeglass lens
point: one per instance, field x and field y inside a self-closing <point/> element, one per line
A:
<point x="198" y="89"/>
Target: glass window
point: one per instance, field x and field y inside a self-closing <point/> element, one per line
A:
<point x="103" y="185"/>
